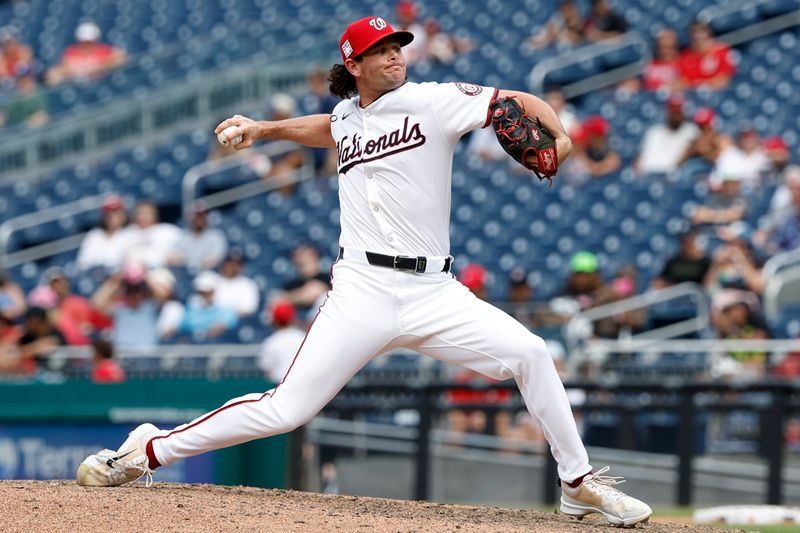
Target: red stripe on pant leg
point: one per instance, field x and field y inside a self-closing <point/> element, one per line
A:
<point x="266" y="394"/>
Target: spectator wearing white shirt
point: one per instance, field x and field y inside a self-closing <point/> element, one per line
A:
<point x="278" y="350"/>
<point x="664" y="144"/>
<point x="105" y="245"/>
<point x="200" y="247"/>
<point x="150" y="242"/>
<point x="235" y="290"/>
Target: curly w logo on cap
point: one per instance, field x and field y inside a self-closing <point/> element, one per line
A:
<point x="364" y="33"/>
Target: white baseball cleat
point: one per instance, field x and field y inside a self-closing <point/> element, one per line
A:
<point x="597" y="495"/>
<point x="109" y="468"/>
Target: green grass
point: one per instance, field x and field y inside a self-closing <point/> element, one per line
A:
<point x="666" y="512"/>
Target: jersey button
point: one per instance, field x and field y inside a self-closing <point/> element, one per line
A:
<point x="376" y="208"/>
<point x="390" y="238"/>
<point x="369" y="176"/>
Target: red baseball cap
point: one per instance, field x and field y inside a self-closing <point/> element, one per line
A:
<point x="775" y="143"/>
<point x="113" y="202"/>
<point x="704" y="116"/>
<point x="362" y="34"/>
<point x="675" y="102"/>
<point x="473" y="276"/>
<point x="596" y="126"/>
<point x="283" y="313"/>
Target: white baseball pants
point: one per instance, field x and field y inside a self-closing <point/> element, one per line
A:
<point x="372" y="310"/>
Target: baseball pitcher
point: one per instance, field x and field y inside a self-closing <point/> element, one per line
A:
<point x="392" y="285"/>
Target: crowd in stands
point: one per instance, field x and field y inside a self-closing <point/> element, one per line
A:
<point x="23" y="100"/>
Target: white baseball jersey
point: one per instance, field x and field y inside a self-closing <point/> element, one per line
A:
<point x="395" y="162"/>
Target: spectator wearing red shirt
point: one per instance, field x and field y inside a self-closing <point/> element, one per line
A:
<point x="14" y="55"/>
<point x="106" y="369"/>
<point x="87" y="58"/>
<point x="662" y="71"/>
<point x="707" y="62"/>
<point x="75" y="316"/>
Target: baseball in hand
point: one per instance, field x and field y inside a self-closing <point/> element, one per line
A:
<point x="222" y="136"/>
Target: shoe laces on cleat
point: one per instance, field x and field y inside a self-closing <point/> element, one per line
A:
<point x="604" y="485"/>
<point x="118" y="467"/>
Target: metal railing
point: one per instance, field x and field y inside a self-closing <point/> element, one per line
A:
<point x="190" y="182"/>
<point x="688" y="401"/>
<point x="536" y="79"/>
<point x="146" y="119"/>
<point x="43" y="216"/>
<point x="197" y="173"/>
<point x="580" y="329"/>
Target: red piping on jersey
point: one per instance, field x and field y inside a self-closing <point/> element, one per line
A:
<point x="154" y="463"/>
<point x="488" y="110"/>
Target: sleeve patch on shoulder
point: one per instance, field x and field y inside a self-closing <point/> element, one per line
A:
<point x="470" y="89"/>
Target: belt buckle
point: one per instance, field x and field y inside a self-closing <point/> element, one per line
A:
<point x="396" y="258"/>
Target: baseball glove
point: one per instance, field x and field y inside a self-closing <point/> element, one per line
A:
<point x="520" y="136"/>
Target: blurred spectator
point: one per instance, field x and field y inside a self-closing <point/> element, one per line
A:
<point x="279" y="349"/>
<point x="233" y="289"/>
<point x="149" y="241"/>
<point x="483" y="144"/>
<point x="14" y="55"/>
<point x="204" y="318"/>
<point x="662" y="71"/>
<point x="39" y="336"/>
<point x="9" y="345"/>
<point x="128" y="299"/>
<point x="565" y="112"/>
<point x="72" y="314"/>
<point x="745" y="159"/>
<point x="784" y="206"/>
<point x="706" y="63"/>
<point x="736" y="315"/>
<point x="664" y="144"/>
<point x="106" y="369"/>
<point x="564" y="29"/>
<point x="283" y="106"/>
<point x="473" y="277"/>
<point x="520" y="296"/>
<point x="596" y="156"/>
<point x="625" y="323"/>
<point x="690" y="263"/>
<point x="777" y="153"/>
<point x="443" y="48"/>
<point x="710" y="143"/>
<point x="407" y="13"/>
<point x="582" y="284"/>
<point x="29" y="105"/>
<point x="106" y="244"/>
<point x="785" y="234"/>
<point x="171" y="311"/>
<point x="723" y="206"/>
<point x="311" y="282"/>
<point x="12" y="297"/>
<point x="200" y="246"/>
<point x="87" y="58"/>
<point x="602" y="22"/>
<point x="320" y="101"/>
<point x="734" y="271"/>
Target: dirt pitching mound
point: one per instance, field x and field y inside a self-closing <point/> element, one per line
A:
<point x="54" y="506"/>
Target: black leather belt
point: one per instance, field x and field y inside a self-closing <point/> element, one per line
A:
<point x="400" y="262"/>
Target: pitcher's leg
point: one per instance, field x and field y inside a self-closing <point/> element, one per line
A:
<point x="470" y="332"/>
<point x="330" y="355"/>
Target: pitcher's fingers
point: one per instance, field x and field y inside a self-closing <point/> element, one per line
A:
<point x="233" y="121"/>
